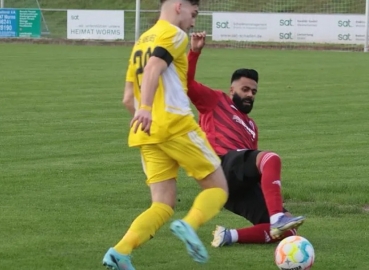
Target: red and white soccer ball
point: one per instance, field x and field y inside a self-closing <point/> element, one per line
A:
<point x="294" y="253"/>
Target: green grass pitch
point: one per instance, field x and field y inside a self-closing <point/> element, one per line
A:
<point x="70" y="186"/>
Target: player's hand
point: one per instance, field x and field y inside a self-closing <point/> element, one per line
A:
<point x="142" y="118"/>
<point x="198" y="41"/>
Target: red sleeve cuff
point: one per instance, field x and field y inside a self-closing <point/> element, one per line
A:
<point x="195" y="53"/>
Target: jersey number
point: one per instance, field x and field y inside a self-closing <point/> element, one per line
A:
<point x="140" y="60"/>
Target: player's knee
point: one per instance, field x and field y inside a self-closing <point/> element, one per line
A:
<point x="164" y="192"/>
<point x="215" y="180"/>
<point x="264" y="157"/>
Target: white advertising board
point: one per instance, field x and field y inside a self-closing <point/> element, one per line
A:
<point x="95" y="24"/>
<point x="289" y="27"/>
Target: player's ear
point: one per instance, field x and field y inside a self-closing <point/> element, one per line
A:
<point x="178" y="7"/>
<point x="231" y="91"/>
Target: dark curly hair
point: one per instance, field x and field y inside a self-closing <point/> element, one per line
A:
<point x="244" y="72"/>
<point x="193" y="2"/>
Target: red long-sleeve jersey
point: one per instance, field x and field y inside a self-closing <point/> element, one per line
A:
<point x="225" y="126"/>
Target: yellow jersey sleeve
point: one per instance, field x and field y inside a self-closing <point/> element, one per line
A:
<point x="171" y="44"/>
<point x="131" y="72"/>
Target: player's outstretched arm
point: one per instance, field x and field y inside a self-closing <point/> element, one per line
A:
<point x="197" y="44"/>
<point x="203" y="97"/>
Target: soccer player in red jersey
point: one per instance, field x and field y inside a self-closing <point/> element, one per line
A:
<point x="253" y="176"/>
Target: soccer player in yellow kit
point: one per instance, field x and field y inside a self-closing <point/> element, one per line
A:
<point x="165" y="131"/>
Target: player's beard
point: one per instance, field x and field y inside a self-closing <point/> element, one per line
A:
<point x="239" y="103"/>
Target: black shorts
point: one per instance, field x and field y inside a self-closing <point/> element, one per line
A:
<point x="245" y="194"/>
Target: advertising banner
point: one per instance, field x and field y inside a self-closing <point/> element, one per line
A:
<point x="95" y="24"/>
<point x="20" y="23"/>
<point x="289" y="27"/>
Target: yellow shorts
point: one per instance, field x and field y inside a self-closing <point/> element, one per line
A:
<point x="191" y="151"/>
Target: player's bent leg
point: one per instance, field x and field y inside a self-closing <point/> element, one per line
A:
<point x="145" y="226"/>
<point x="204" y="164"/>
<point x="141" y="230"/>
<point x="206" y="205"/>
<point x="210" y="201"/>
<point x="269" y="165"/>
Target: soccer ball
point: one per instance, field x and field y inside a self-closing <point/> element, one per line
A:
<point x="294" y="253"/>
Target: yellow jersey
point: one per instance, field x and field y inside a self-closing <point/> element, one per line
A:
<point x="171" y="112"/>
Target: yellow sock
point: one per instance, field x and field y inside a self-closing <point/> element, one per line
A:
<point x="144" y="227"/>
<point x="206" y="206"/>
